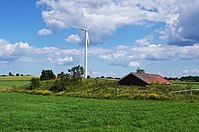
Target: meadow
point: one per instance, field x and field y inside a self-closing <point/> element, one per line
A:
<point x="7" y="82"/>
<point x="102" y="89"/>
<point x="25" y="112"/>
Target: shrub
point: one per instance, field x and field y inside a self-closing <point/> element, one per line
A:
<point x="34" y="83"/>
<point x="63" y="80"/>
<point x="124" y="95"/>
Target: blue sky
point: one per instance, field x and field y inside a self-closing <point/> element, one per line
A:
<point x="160" y="36"/>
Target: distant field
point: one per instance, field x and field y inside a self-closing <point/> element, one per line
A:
<point x="7" y="78"/>
<point x="14" y="82"/>
<point x="24" y="112"/>
<point x="185" y="84"/>
<point x="9" y="81"/>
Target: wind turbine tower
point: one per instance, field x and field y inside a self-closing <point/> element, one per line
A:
<point x="85" y="30"/>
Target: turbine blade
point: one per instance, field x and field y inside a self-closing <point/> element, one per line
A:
<point x="83" y="29"/>
<point x="88" y="27"/>
<point x="74" y="26"/>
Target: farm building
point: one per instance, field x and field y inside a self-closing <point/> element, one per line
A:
<point x="142" y="79"/>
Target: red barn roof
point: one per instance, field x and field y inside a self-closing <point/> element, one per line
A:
<point x="142" y="79"/>
<point x="151" y="78"/>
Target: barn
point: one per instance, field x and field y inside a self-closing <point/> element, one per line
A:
<point x="142" y="79"/>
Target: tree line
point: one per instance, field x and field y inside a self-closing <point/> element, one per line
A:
<point x="185" y="78"/>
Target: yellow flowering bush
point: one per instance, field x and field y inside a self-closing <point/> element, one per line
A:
<point x="153" y="96"/>
<point x="141" y="96"/>
<point x="107" y="96"/>
<point x="42" y="92"/>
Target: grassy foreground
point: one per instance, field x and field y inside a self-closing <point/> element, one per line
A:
<point x="24" y="112"/>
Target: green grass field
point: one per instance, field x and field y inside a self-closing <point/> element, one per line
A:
<point x="14" y="83"/>
<point x="24" y="112"/>
<point x="10" y="81"/>
<point x="185" y="84"/>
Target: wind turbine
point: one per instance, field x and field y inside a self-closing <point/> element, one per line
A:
<point x="85" y="30"/>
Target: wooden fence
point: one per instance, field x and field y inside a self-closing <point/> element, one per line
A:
<point x="188" y="90"/>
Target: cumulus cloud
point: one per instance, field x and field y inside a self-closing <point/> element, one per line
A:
<point x="134" y="64"/>
<point x="120" y="55"/>
<point x="44" y="32"/>
<point x="73" y="39"/>
<point x="107" y="74"/>
<point x="106" y="16"/>
<point x="181" y="22"/>
<point x="10" y="52"/>
<point x="23" y="52"/>
<point x="194" y="71"/>
<point x="145" y="41"/>
<point x="128" y="55"/>
<point x="61" y="61"/>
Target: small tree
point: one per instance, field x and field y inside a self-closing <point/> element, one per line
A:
<point x="35" y="83"/>
<point x="138" y="70"/>
<point x="77" y="72"/>
<point x="10" y="74"/>
<point x="47" y="75"/>
<point x="17" y="74"/>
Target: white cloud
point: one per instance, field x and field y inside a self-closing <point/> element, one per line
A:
<point x="181" y="23"/>
<point x="152" y="52"/>
<point x="134" y="64"/>
<point x="119" y="55"/>
<point x="61" y="61"/>
<point x="145" y="41"/>
<point x="23" y="52"/>
<point x="44" y="32"/>
<point x="3" y="42"/>
<point x="107" y="74"/>
<point x="26" y="60"/>
<point x="194" y="71"/>
<point x="73" y="39"/>
<point x="97" y="51"/>
<point x="10" y="52"/>
<point x="107" y="16"/>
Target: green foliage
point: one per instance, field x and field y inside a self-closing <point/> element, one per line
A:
<point x="48" y="84"/>
<point x="189" y="86"/>
<point x="34" y="83"/>
<point x="53" y="113"/>
<point x="138" y="70"/>
<point x="76" y="72"/>
<point x="47" y="75"/>
<point x="62" y="81"/>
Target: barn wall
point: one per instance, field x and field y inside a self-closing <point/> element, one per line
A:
<point x="132" y="80"/>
